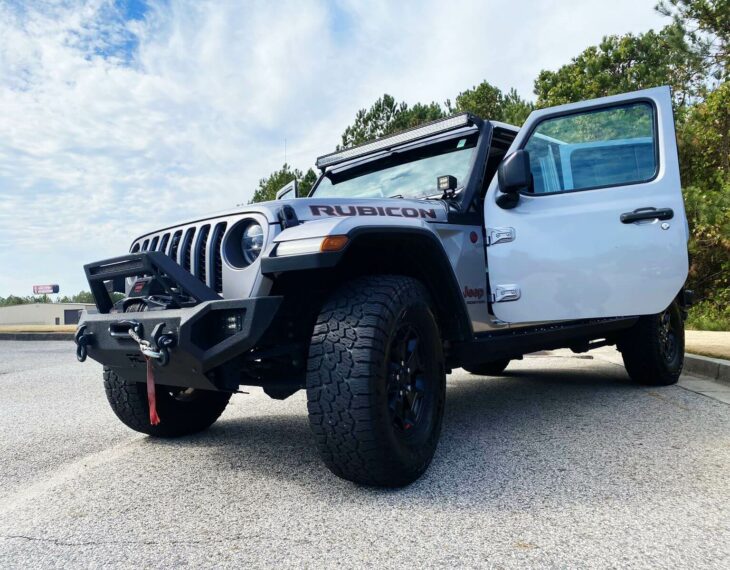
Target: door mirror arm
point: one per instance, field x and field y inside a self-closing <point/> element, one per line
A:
<point x="513" y="176"/>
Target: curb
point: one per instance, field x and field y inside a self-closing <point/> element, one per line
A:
<point x="36" y="336"/>
<point x="712" y="368"/>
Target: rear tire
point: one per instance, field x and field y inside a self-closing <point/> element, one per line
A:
<point x="376" y="381"/>
<point x="182" y="412"/>
<point x="488" y="368"/>
<point x="653" y="349"/>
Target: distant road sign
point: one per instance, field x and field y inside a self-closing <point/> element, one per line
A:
<point x="45" y="289"/>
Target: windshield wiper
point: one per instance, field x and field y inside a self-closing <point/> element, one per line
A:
<point x="396" y="196"/>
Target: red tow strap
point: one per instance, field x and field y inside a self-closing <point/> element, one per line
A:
<point x="151" y="396"/>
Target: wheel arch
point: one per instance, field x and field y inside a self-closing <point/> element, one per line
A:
<point x="411" y="251"/>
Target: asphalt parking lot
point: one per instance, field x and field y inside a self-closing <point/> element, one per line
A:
<point x="562" y="462"/>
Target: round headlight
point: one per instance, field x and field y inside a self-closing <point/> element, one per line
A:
<point x="252" y="241"/>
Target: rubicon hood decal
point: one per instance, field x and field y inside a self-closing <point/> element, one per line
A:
<point x="394" y="211"/>
<point x="330" y="207"/>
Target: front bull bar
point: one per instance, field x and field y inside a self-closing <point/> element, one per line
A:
<point x="204" y="343"/>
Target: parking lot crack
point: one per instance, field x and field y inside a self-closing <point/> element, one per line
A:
<point x="218" y="540"/>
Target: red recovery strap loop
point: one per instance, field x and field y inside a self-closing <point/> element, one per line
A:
<point x="151" y="396"/>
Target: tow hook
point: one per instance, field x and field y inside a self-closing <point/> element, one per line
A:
<point x="82" y="340"/>
<point x="164" y="342"/>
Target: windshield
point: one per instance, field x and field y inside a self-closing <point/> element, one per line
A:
<point x="409" y="174"/>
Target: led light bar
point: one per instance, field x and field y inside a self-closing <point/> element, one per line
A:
<point x="410" y="135"/>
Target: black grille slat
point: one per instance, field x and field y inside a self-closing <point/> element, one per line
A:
<point x="187" y="249"/>
<point x="197" y="249"/>
<point x="201" y="247"/>
<point x="163" y="243"/>
<point x="175" y="244"/>
<point x="216" y="250"/>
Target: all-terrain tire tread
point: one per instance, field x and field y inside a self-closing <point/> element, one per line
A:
<point x="348" y="347"/>
<point x="128" y="400"/>
<point x="642" y="358"/>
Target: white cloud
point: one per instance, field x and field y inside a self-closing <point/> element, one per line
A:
<point x="99" y="143"/>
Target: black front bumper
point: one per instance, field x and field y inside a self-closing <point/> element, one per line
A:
<point x="204" y="354"/>
<point x="199" y="358"/>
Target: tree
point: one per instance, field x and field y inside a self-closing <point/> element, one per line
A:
<point x="705" y="25"/>
<point x="386" y="116"/>
<point x="16" y="300"/>
<point x="488" y="102"/>
<point x="80" y="297"/>
<point x="620" y="64"/>
<point x="704" y="141"/>
<point x="268" y="187"/>
<point x="704" y="149"/>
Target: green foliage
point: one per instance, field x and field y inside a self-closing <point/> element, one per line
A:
<point x="11" y="300"/>
<point x="705" y="26"/>
<point x="708" y="213"/>
<point x="488" y="102"/>
<point x="704" y="141"/>
<point x="268" y="187"/>
<point x="707" y="316"/>
<point x="704" y="148"/>
<point x="620" y="64"/>
<point x="386" y="116"/>
<point x="80" y="297"/>
<point x="619" y="123"/>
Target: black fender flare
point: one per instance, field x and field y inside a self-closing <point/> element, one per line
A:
<point x="416" y="250"/>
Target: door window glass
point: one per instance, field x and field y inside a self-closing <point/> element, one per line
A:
<point x="612" y="146"/>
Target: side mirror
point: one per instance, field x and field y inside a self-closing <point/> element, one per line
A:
<point x="288" y="191"/>
<point x="513" y="176"/>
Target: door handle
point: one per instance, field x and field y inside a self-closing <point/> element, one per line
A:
<point x="647" y="214"/>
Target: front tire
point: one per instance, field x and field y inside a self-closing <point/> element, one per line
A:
<point x="376" y="381"/>
<point x="182" y="412"/>
<point x="653" y="349"/>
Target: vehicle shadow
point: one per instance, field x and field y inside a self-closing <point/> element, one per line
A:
<point x="526" y="436"/>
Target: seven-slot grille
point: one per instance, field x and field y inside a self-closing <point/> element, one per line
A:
<point x="197" y="249"/>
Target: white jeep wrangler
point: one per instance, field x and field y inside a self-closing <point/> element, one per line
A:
<point x="460" y="243"/>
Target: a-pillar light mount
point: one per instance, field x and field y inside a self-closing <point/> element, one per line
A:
<point x="447" y="185"/>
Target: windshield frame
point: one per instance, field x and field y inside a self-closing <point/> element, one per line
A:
<point x="475" y="172"/>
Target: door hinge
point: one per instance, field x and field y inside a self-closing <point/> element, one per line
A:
<point x="500" y="235"/>
<point x="503" y="293"/>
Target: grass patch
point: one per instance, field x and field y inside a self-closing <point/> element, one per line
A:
<point x="708" y="317"/>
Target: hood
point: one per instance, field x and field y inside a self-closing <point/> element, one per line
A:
<point x="388" y="210"/>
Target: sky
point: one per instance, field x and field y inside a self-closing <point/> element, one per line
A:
<point x="119" y="117"/>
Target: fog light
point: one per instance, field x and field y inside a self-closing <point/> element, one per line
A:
<point x="232" y="324"/>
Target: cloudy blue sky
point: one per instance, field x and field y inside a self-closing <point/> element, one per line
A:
<point x="119" y="116"/>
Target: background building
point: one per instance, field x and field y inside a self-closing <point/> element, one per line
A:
<point x="42" y="314"/>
